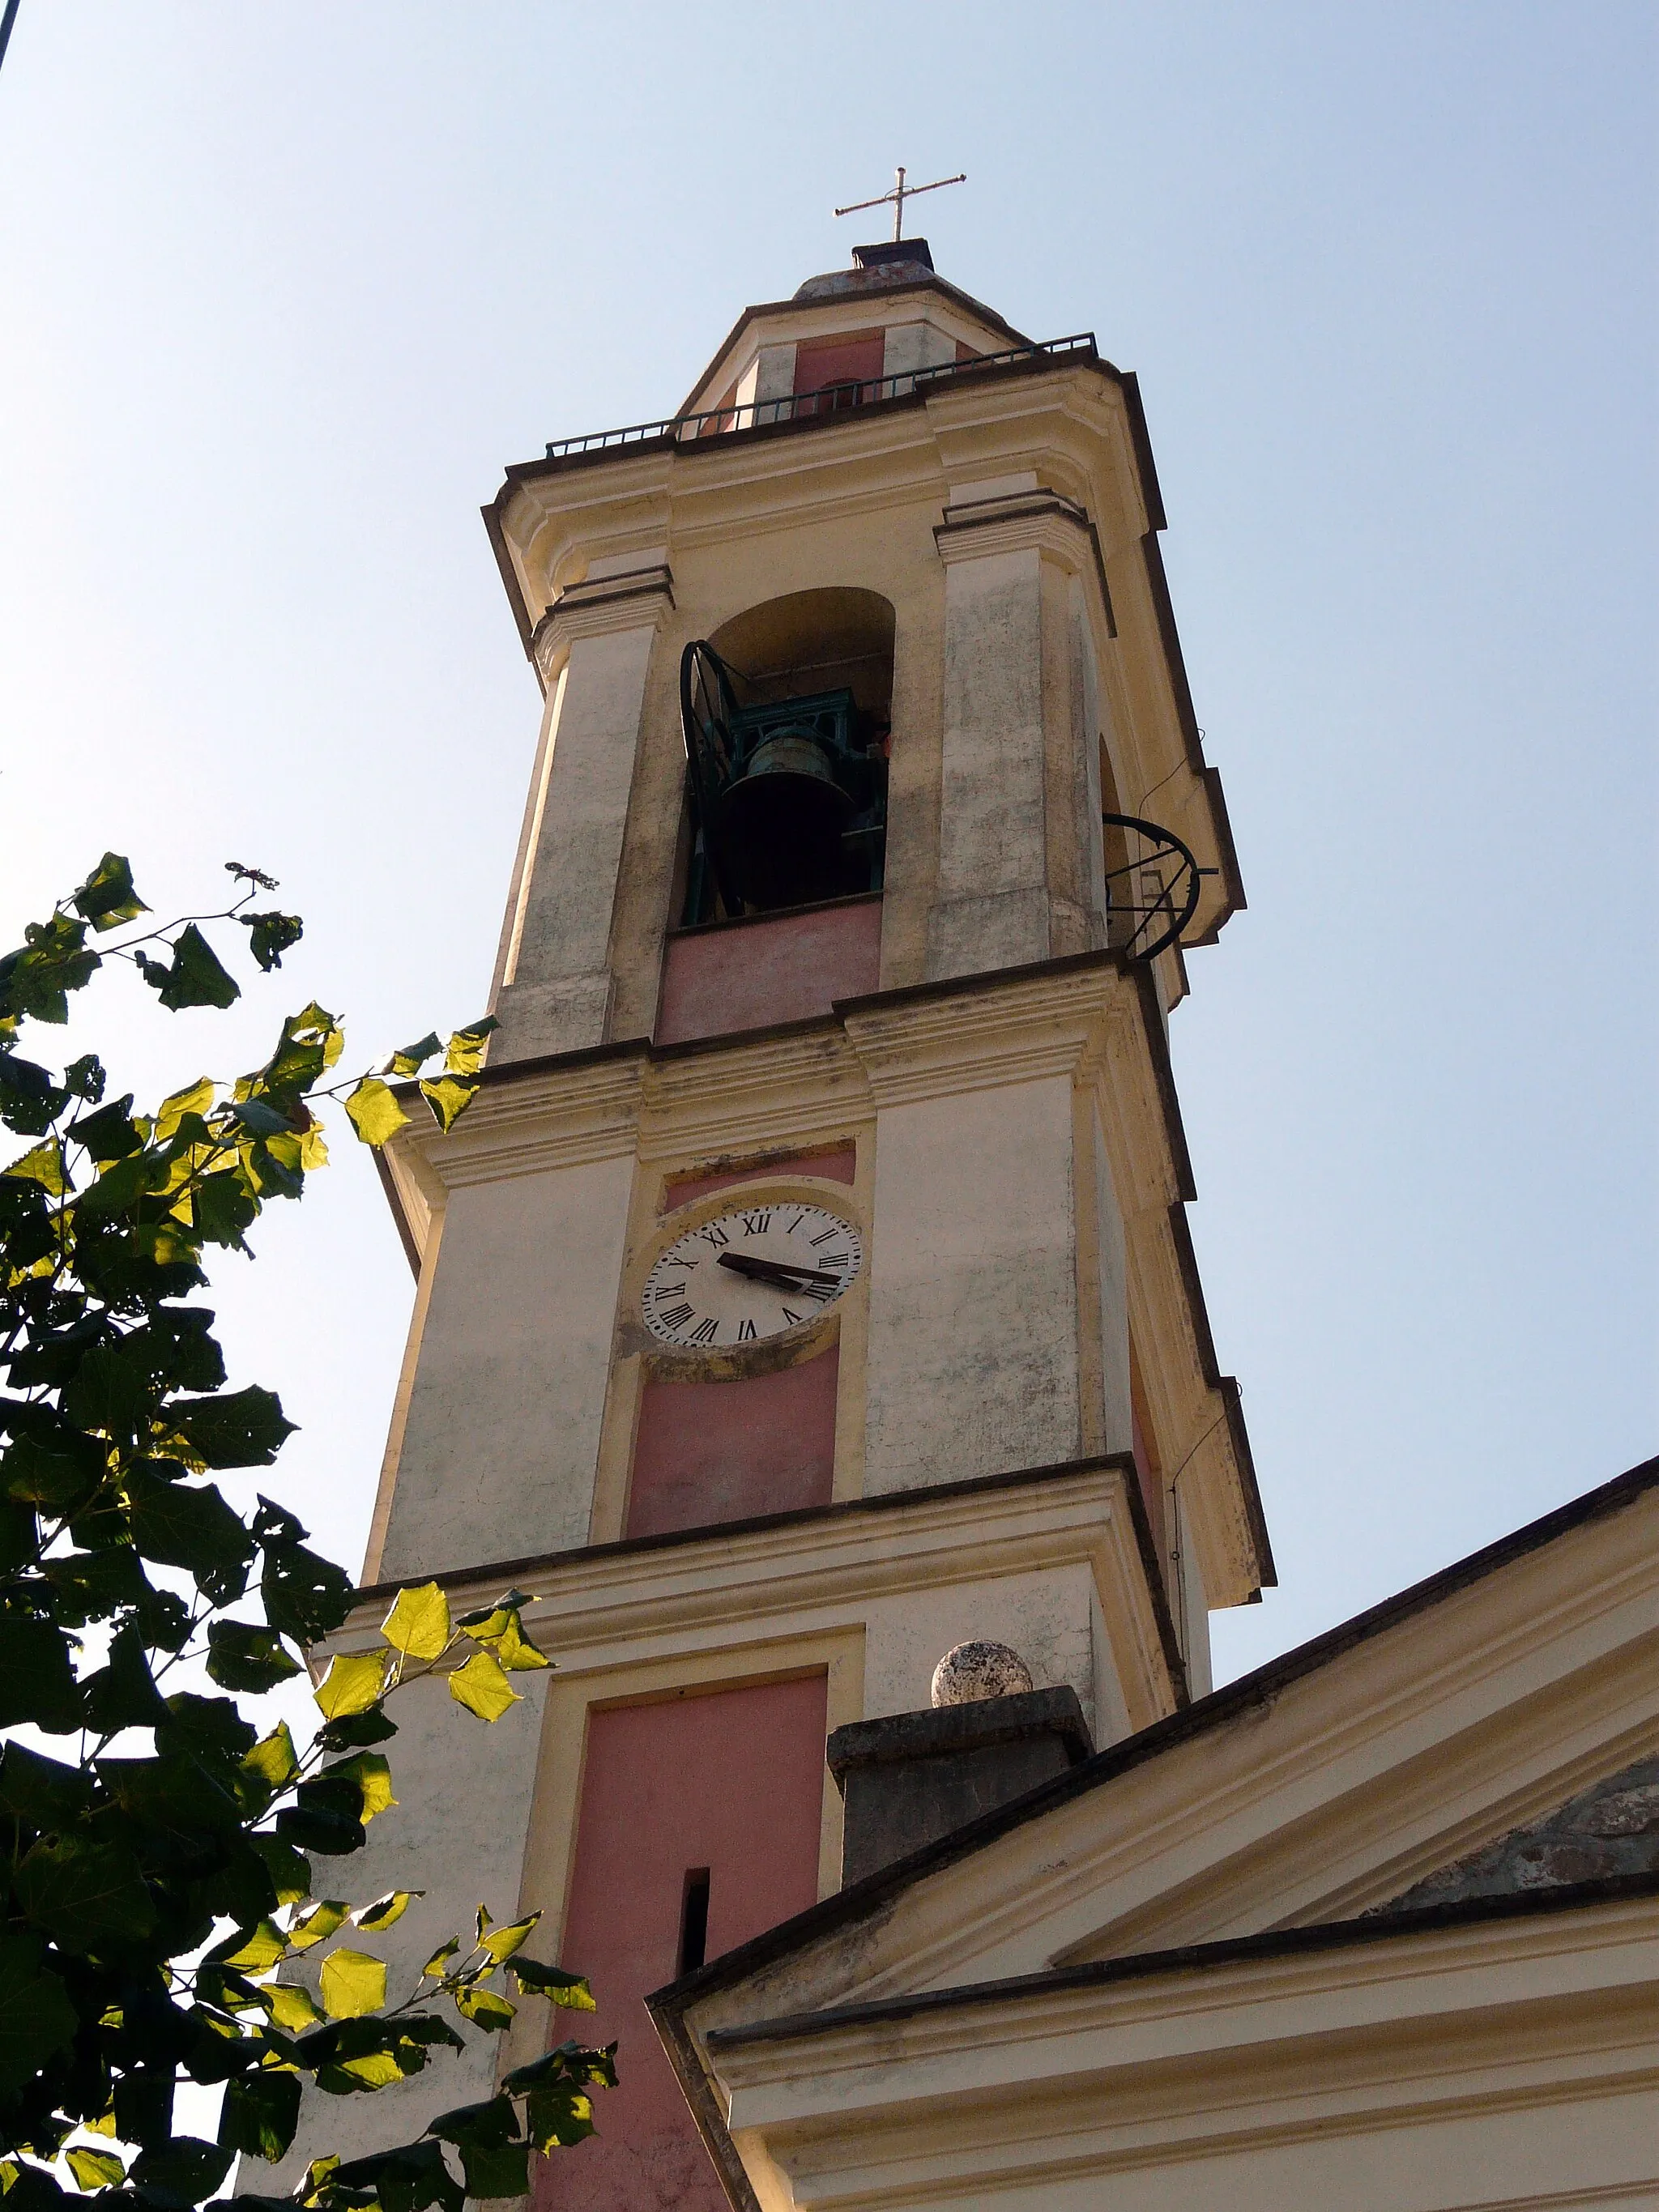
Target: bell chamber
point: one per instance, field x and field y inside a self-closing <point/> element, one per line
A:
<point x="789" y="793"/>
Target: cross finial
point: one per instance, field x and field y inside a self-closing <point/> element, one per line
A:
<point x="897" y="197"/>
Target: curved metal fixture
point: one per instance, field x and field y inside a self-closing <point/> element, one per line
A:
<point x="1152" y="896"/>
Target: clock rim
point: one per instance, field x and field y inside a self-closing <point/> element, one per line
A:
<point x="789" y="1347"/>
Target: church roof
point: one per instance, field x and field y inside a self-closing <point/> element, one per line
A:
<point x="1312" y="1800"/>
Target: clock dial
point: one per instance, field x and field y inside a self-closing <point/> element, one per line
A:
<point x="752" y="1273"/>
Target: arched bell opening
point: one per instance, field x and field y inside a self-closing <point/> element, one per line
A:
<point x="786" y="711"/>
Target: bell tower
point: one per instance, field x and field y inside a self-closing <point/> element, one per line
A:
<point x="808" y="1292"/>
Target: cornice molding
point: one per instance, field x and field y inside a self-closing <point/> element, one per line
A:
<point x="635" y="601"/>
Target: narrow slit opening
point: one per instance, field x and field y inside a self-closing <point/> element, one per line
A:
<point x="693" y="1920"/>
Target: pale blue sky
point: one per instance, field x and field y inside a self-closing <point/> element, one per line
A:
<point x="284" y="287"/>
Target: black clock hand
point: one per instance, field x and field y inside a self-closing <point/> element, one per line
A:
<point x="781" y="1273"/>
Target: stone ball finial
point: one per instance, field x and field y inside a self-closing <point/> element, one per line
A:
<point x="970" y="1671"/>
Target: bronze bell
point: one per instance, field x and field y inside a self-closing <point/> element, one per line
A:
<point x="780" y="824"/>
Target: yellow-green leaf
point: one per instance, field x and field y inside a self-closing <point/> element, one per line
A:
<point x="467" y="1048"/>
<point x="435" y="1965"/>
<point x="273" y="1758"/>
<point x="102" y="2127"/>
<point x="353" y="1984"/>
<point x="515" y="1649"/>
<point x="292" y="2008"/>
<point x="481" y="1688"/>
<point x="198" y="1098"/>
<point x="313" y="1146"/>
<point x="95" y="2169"/>
<point x="372" y="1777"/>
<point x="502" y="1942"/>
<point x="385" y="1910"/>
<point x="354" y="1681"/>
<point x="484" y="2008"/>
<point x="45" y="1164"/>
<point x="322" y="1920"/>
<point x="413" y="1057"/>
<point x="375" y="2069"/>
<point x="449" y="1096"/>
<point x="418" y="1623"/>
<point x="374" y="1111"/>
<point x="263" y="1948"/>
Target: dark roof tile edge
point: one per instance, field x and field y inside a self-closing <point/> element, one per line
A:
<point x="866" y="1897"/>
<point x="1200" y="1957"/>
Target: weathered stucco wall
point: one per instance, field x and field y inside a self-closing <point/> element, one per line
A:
<point x="993" y="903"/>
<point x="502" y="1433"/>
<point x="973" y="1352"/>
<point x="458" y="1832"/>
<point x="555" y="994"/>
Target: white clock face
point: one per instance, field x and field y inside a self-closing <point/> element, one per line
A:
<point x="752" y="1273"/>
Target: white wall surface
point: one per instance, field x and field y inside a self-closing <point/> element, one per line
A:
<point x="972" y="1289"/>
<point x="503" y="1434"/>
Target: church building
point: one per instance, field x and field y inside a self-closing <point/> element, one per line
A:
<point x="806" y="1314"/>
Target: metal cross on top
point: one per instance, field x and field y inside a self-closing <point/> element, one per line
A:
<point x="900" y="194"/>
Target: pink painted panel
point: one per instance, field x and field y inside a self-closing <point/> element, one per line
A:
<point x="837" y="1166"/>
<point x="705" y="1452"/>
<point x="732" y="1783"/>
<point x="783" y="968"/>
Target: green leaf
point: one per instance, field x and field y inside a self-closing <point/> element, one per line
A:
<point x="273" y="1758"/>
<point x="107" y="899"/>
<point x="36" y="1682"/>
<point x="570" y="1990"/>
<point x="180" y="1527"/>
<point x="558" y="2115"/>
<point x="44" y="1164"/>
<point x="498" y="2170"/>
<point x="371" y="1776"/>
<point x="375" y="1113"/>
<point x="413" y="1057"/>
<point x="238" y="1428"/>
<point x="481" y="1688"/>
<point x="54" y="1466"/>
<point x="95" y="2169"/>
<point x="436" y="1966"/>
<point x="515" y="1651"/>
<point x="181" y="2173"/>
<point x="353" y="1983"/>
<point x="318" y="1924"/>
<point x="260" y="2113"/>
<point x="82" y="1891"/>
<point x="270" y="935"/>
<point x="195" y="978"/>
<point x="354" y="1681"/>
<point x="418" y="1623"/>
<point x="449" y="1096"/>
<point x="36" y="2016"/>
<point x="122" y="1694"/>
<point x="108" y="1134"/>
<point x="43" y="1792"/>
<point x="484" y="2008"/>
<point x="108" y="1391"/>
<point x="221" y="1209"/>
<point x="305" y="1596"/>
<point x="499" y="1944"/>
<point x="465" y="1054"/>
<point x="290" y="1873"/>
<point x="262" y="1120"/>
<point x="53" y="960"/>
<point x="243" y="1656"/>
<point x="385" y="1910"/>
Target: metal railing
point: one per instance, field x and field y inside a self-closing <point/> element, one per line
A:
<point x="804" y="406"/>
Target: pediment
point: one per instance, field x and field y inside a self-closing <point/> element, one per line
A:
<point x="1478" y="1729"/>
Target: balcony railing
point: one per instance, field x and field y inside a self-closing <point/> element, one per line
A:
<point x="828" y="399"/>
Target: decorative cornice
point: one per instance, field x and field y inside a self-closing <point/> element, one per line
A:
<point x="637" y="600"/>
<point x="1018" y="521"/>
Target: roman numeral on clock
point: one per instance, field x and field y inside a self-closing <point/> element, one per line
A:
<point x="705" y="1332"/>
<point x="677" y="1317"/>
